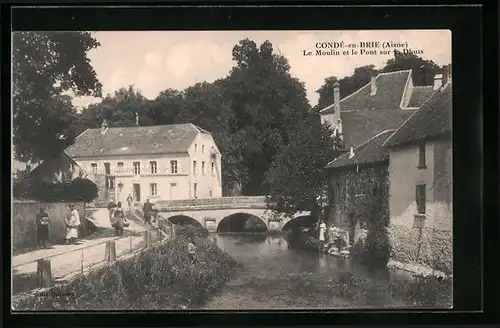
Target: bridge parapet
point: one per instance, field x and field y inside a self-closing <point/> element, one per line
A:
<point x="212" y="203"/>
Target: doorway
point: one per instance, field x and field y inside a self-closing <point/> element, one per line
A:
<point x="137" y="192"/>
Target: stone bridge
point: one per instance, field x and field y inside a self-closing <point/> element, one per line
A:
<point x="210" y="212"/>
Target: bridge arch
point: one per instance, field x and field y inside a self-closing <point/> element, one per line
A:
<point x="184" y="220"/>
<point x="242" y="222"/>
<point x="305" y="220"/>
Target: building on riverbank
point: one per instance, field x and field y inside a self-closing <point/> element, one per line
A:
<point x="375" y="177"/>
<point x="420" y="172"/>
<point x="162" y="162"/>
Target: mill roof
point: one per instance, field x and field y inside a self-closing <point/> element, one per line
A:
<point x="137" y="140"/>
<point x="390" y="90"/>
<point x="371" y="151"/>
<point x="432" y="119"/>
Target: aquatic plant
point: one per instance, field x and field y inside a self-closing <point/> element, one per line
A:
<point x="159" y="278"/>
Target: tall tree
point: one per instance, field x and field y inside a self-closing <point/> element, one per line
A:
<point x="423" y="70"/>
<point x="267" y="103"/>
<point x="166" y="106"/>
<point x="297" y="177"/>
<point x="118" y="109"/>
<point x="45" y="65"/>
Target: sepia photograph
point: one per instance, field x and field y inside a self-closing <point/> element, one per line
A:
<point x="231" y="170"/>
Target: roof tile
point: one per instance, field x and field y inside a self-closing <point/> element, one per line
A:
<point x="431" y="120"/>
<point x="371" y="151"/>
<point x="390" y="90"/>
<point x="419" y="95"/>
<point x="172" y="138"/>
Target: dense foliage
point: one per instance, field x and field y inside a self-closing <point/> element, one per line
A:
<point x="297" y="177"/>
<point x="160" y="278"/>
<point x="45" y="66"/>
<point x="76" y="191"/>
<point x="363" y="195"/>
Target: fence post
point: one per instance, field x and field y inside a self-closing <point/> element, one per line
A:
<point x="146" y="235"/>
<point x="44" y="273"/>
<point x="172" y="231"/>
<point x="110" y="251"/>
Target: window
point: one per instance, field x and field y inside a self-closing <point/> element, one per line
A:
<point x="94" y="167"/>
<point x="213" y="168"/>
<point x="173" y="167"/>
<point x="421" y="156"/>
<point x="107" y="168"/>
<point x="119" y="167"/>
<point x="195" y="147"/>
<point x="195" y="190"/>
<point x="210" y="192"/>
<point x="137" y="167"/>
<point x="194" y="167"/>
<point x="110" y="183"/>
<point x="153" y="189"/>
<point x="420" y="199"/>
<point x="203" y="168"/>
<point x="203" y="149"/>
<point x="152" y="167"/>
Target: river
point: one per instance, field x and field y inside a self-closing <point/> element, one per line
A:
<point x="271" y="276"/>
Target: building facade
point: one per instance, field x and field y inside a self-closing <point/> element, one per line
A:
<point x="420" y="173"/>
<point x="165" y="162"/>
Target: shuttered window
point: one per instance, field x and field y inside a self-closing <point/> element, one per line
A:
<point x="420" y="198"/>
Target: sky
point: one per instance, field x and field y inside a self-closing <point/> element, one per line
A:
<point x="153" y="61"/>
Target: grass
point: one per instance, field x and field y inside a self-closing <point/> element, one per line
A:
<point x="160" y="278"/>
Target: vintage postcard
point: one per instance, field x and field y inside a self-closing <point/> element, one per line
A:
<point x="232" y="170"/>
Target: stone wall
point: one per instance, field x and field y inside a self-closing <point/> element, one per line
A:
<point x="24" y="233"/>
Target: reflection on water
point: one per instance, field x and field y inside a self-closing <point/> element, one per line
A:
<point x="272" y="276"/>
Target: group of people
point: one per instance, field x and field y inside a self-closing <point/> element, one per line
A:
<point x="72" y="224"/>
<point x="332" y="235"/>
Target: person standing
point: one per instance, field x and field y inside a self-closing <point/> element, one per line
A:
<point x="72" y="224"/>
<point x="130" y="200"/>
<point x="192" y="251"/>
<point x="119" y="219"/>
<point x="42" y="223"/>
<point x="147" y="209"/>
<point x="322" y="231"/>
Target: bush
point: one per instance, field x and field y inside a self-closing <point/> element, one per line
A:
<point x="161" y="278"/>
<point x="190" y="231"/>
<point x="377" y="248"/>
<point x="76" y="191"/>
<point x="427" y="292"/>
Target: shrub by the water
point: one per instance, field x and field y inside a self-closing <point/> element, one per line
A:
<point x="426" y="292"/>
<point x="159" y="278"/>
<point x="377" y="249"/>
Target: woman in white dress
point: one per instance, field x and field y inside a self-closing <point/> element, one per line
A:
<point x="322" y="231"/>
<point x="72" y="224"/>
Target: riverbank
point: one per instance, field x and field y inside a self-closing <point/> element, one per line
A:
<point x="158" y="278"/>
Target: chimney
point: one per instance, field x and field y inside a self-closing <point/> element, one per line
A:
<point x="446" y="75"/>
<point x="438" y="81"/>
<point x="336" y="103"/>
<point x="373" y="84"/>
<point x="104" y="126"/>
<point x="137" y="119"/>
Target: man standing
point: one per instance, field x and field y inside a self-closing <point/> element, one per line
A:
<point x="147" y="209"/>
<point x="72" y="224"/>
<point x="129" y="202"/>
<point x="42" y="223"/>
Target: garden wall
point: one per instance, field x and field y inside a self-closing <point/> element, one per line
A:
<point x="24" y="232"/>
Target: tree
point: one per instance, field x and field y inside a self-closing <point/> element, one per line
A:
<point x="119" y="109"/>
<point x="423" y="70"/>
<point x="45" y="65"/>
<point x="297" y="177"/>
<point x="267" y="102"/>
<point x="166" y="106"/>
